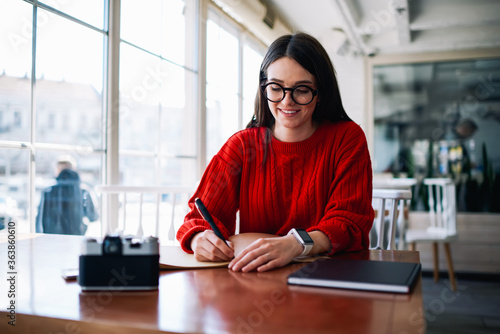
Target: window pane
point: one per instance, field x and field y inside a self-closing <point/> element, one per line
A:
<point x="14" y="188"/>
<point x="252" y="60"/>
<point x="222" y="86"/>
<point x="141" y="23"/>
<point x="87" y="165"/>
<point x="179" y="118"/>
<point x="149" y="87"/>
<point x="222" y="118"/>
<point x="69" y="83"/>
<point x="174" y="31"/>
<point x="138" y="171"/>
<point x="222" y="71"/>
<point x="56" y="200"/>
<point x="15" y="70"/>
<point x="178" y="172"/>
<point x="157" y="97"/>
<point x="160" y="27"/>
<point x="151" y="171"/>
<point x="89" y="11"/>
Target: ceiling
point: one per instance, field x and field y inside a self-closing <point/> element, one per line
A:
<point x="373" y="27"/>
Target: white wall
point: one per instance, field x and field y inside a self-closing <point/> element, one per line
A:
<point x="351" y="79"/>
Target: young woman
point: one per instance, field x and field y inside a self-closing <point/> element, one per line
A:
<point x="301" y="164"/>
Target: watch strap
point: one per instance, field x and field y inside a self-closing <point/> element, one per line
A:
<point x="307" y="246"/>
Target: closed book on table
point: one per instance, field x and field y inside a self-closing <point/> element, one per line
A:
<point x="398" y="277"/>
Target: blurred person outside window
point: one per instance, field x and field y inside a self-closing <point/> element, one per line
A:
<point x="66" y="207"/>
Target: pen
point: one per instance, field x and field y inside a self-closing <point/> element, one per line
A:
<point x="206" y="215"/>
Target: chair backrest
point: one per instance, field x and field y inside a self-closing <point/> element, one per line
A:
<point x="391" y="199"/>
<point x="442" y="206"/>
<point x="386" y="182"/>
<point x="134" y="210"/>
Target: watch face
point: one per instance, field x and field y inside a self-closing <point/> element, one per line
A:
<point x="305" y="236"/>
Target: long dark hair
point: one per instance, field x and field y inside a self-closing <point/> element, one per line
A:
<point x="310" y="54"/>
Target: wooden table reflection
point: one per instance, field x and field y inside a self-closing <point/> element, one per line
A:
<point x="192" y="301"/>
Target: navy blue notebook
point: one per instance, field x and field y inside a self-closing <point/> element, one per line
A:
<point x="398" y="277"/>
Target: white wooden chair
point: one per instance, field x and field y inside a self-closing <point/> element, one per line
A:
<point x="387" y="181"/>
<point x="388" y="204"/>
<point x="136" y="210"/>
<point x="443" y="223"/>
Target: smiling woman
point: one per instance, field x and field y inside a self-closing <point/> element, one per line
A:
<point x="300" y="171"/>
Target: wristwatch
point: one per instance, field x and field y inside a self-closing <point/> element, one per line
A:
<point x="303" y="238"/>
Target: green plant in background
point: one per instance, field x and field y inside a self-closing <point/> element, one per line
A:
<point x="473" y="194"/>
<point x="468" y="190"/>
<point x="411" y="164"/>
<point x="488" y="174"/>
<point x="480" y="195"/>
<point x="430" y="160"/>
<point x="495" y="195"/>
<point x="488" y="182"/>
<point x="422" y="195"/>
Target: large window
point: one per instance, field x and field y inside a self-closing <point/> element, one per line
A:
<point x="51" y="99"/>
<point x="54" y="96"/>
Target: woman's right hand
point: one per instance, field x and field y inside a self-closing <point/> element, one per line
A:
<point x="207" y="247"/>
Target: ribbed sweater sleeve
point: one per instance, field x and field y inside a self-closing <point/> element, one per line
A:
<point x="348" y="215"/>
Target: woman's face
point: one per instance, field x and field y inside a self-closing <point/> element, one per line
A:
<point x="293" y="122"/>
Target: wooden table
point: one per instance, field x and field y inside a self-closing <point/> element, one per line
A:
<point x="204" y="300"/>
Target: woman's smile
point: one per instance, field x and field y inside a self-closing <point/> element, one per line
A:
<point x="288" y="112"/>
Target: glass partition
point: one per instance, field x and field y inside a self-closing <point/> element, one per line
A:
<point x="441" y="119"/>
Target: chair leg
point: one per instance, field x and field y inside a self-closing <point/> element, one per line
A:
<point x="451" y="272"/>
<point x="436" y="261"/>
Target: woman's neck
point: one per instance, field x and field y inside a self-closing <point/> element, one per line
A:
<point x="293" y="135"/>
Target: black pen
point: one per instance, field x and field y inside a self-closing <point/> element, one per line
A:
<point x="206" y="215"/>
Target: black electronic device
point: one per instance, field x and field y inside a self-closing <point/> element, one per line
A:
<point x="117" y="263"/>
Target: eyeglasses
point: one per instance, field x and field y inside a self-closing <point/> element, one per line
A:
<point x="301" y="94"/>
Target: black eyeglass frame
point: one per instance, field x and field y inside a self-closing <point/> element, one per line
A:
<point x="292" y="90"/>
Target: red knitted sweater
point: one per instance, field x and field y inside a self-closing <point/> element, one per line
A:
<point x="322" y="183"/>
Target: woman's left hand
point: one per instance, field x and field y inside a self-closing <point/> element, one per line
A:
<point x="267" y="253"/>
